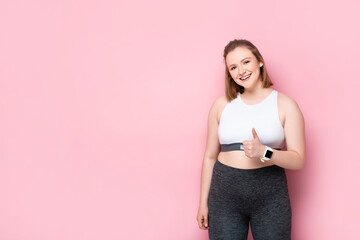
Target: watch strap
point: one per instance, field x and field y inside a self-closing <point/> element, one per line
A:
<point x="267" y="154"/>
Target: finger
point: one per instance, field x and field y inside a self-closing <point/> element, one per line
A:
<point x="247" y="143"/>
<point x="201" y="223"/>
<point x="248" y="151"/>
<point x="254" y="134"/>
<point x="206" y="222"/>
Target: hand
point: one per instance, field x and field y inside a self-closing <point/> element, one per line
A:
<point x="202" y="217"/>
<point x="254" y="148"/>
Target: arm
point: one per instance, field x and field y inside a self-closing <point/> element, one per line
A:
<point x="211" y="152"/>
<point x="294" y="157"/>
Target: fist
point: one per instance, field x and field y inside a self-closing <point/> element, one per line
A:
<point x="254" y="148"/>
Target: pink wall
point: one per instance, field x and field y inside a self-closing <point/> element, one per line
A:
<point x="103" y="110"/>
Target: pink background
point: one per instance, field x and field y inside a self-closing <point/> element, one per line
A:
<point x="104" y="104"/>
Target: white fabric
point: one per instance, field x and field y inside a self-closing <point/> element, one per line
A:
<point x="238" y="118"/>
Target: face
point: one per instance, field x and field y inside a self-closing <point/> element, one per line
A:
<point x="244" y="67"/>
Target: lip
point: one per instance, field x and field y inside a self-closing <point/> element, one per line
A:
<point x="245" y="76"/>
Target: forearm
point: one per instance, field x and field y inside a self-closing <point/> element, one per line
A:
<point x="206" y="175"/>
<point x="287" y="159"/>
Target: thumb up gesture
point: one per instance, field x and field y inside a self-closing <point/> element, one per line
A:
<point x="254" y="148"/>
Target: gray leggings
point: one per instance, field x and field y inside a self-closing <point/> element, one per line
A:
<point x="239" y="196"/>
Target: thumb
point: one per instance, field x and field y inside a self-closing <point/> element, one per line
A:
<point x="206" y="222"/>
<point x="254" y="134"/>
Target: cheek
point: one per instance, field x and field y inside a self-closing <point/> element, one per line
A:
<point x="234" y="76"/>
<point x="255" y="69"/>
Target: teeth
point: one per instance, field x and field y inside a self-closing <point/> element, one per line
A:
<point x="245" y="77"/>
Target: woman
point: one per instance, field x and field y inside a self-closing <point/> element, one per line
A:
<point x="243" y="178"/>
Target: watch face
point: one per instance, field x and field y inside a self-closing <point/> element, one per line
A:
<point x="268" y="154"/>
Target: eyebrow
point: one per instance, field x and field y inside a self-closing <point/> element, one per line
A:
<point x="240" y="61"/>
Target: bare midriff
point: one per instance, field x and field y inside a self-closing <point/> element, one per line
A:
<point x="238" y="159"/>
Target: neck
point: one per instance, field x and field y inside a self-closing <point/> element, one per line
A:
<point x="255" y="91"/>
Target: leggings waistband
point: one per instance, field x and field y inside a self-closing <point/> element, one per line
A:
<point x="250" y="183"/>
<point x="262" y="173"/>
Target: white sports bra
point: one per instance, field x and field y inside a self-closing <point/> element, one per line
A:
<point x="238" y="118"/>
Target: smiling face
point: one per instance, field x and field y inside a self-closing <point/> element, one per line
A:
<point x="243" y="67"/>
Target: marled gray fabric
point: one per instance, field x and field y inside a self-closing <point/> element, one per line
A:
<point x="239" y="196"/>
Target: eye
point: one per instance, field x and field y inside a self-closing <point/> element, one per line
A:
<point x="232" y="68"/>
<point x="246" y="62"/>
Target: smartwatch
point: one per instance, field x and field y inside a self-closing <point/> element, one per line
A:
<point x="267" y="154"/>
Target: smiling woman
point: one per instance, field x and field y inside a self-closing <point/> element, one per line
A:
<point x="242" y="60"/>
<point x="244" y="161"/>
<point x="246" y="68"/>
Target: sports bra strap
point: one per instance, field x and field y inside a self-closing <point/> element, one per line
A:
<point x="234" y="147"/>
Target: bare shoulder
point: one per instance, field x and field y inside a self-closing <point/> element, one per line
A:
<point x="218" y="106"/>
<point x="289" y="108"/>
<point x="220" y="101"/>
<point x="287" y="103"/>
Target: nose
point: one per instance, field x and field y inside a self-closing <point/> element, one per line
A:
<point x="241" y="70"/>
